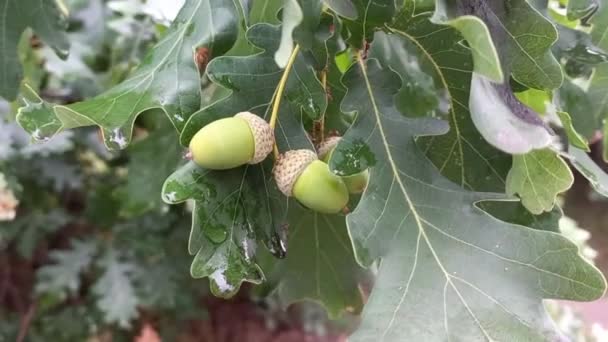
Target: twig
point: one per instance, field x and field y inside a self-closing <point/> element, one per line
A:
<point x="26" y="322"/>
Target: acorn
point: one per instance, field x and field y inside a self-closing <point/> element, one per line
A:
<point x="300" y="173"/>
<point x="355" y="183"/>
<point x="231" y="142"/>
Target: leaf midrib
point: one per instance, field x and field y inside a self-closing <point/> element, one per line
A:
<point x="410" y="204"/>
<point x="451" y="98"/>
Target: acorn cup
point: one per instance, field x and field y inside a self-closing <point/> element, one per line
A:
<point x="231" y="142"/>
<point x="300" y="173"/>
<point x="355" y="183"/>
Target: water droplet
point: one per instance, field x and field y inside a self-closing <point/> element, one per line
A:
<point x="312" y="109"/>
<point x="216" y="234"/>
<point x="63" y="54"/>
<point x="115" y="139"/>
<point x="277" y="246"/>
<point x="219" y="278"/>
<point x="228" y="83"/>
<point x="249" y="246"/>
<point x="38" y="135"/>
<point x="170" y="196"/>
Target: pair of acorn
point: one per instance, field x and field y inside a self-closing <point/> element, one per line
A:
<point x="248" y="139"/>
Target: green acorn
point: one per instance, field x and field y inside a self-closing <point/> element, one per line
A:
<point x="355" y="183"/>
<point x="299" y="173"/>
<point x="227" y="143"/>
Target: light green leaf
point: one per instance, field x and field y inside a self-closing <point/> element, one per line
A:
<point x="535" y="99"/>
<point x="62" y="277"/>
<point x="538" y="177"/>
<point x="292" y="17"/>
<point x="301" y="21"/>
<point x="427" y="232"/>
<point x="167" y="79"/>
<point x="116" y="297"/>
<point x="589" y="169"/>
<point x="475" y="31"/>
<point x="574" y="138"/>
<point x="46" y="18"/>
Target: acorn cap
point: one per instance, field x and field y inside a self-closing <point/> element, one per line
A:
<point x="327" y="145"/>
<point x="289" y="166"/>
<point x="263" y="136"/>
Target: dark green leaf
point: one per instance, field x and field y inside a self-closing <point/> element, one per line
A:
<point x="344" y="8"/>
<point x="577" y="46"/>
<point x="462" y="155"/>
<point x="48" y="21"/>
<point x="220" y="236"/>
<point x="62" y="277"/>
<point x="151" y="161"/>
<point x="292" y="17"/>
<point x="579" y="104"/>
<point x="526" y="56"/>
<point x="578" y="9"/>
<point x="319" y="266"/>
<point x="253" y="80"/>
<point x="167" y="78"/>
<point x="372" y="15"/>
<point x="475" y="31"/>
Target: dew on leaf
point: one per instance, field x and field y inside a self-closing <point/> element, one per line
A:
<point x="216" y="234"/>
<point x="220" y="280"/>
<point x="170" y="196"/>
<point x="352" y="157"/>
<point x="38" y="135"/>
<point x="276" y="246"/>
<point x="115" y="139"/>
<point x="227" y="82"/>
<point x="178" y="117"/>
